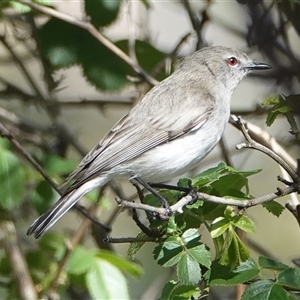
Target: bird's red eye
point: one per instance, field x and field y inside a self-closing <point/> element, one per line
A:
<point x="232" y="61"/>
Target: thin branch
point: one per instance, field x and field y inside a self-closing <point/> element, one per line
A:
<point x="24" y="153"/>
<point x="130" y="240"/>
<point x="250" y="143"/>
<point x="8" y="238"/>
<point x="263" y="137"/>
<point x="294" y="127"/>
<point x="178" y="206"/>
<point x="20" y="64"/>
<point x="95" y="33"/>
<point x="197" y="25"/>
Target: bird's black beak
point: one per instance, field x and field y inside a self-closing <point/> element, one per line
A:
<point x="257" y="66"/>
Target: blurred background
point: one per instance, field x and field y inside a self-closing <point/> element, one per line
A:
<point x="61" y="91"/>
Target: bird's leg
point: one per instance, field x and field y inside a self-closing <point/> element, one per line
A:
<point x="163" y="201"/>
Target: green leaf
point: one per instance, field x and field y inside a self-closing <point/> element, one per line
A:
<point x="20" y="8"/>
<point x="106" y="281"/>
<point x="43" y="196"/>
<point x="12" y="179"/>
<point x="168" y="252"/>
<point x="209" y="175"/>
<point x="219" y="226"/>
<point x="236" y="252"/>
<point x="279" y="106"/>
<point x="273" y="207"/>
<point x="53" y="244"/>
<point x="59" y="41"/>
<point x="200" y="254"/>
<point x="174" y="291"/>
<point x="244" y="223"/>
<point x="184" y="182"/>
<point x="290" y="278"/>
<point x="102" y="12"/>
<point x="135" y="247"/>
<point x="230" y="182"/>
<point x="188" y="270"/>
<point x="265" y="290"/>
<point x="56" y="165"/>
<point x="190" y="235"/>
<point x="147" y="55"/>
<point x="81" y="261"/>
<point x="121" y="263"/>
<point x="168" y="290"/>
<point x="224" y="180"/>
<point x="224" y="275"/>
<point x="65" y="45"/>
<point x="268" y="263"/>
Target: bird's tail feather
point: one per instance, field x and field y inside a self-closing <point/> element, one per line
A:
<point x="49" y="218"/>
<point x="46" y="220"/>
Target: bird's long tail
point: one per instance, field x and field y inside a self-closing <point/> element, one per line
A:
<point x="49" y="218"/>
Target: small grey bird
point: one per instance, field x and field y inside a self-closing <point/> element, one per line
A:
<point x="167" y="133"/>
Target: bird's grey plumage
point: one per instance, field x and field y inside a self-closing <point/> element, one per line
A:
<point x="167" y="133"/>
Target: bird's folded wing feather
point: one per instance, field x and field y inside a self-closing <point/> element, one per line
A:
<point x="133" y="135"/>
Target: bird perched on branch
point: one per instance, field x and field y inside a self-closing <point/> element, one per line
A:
<point x="176" y="124"/>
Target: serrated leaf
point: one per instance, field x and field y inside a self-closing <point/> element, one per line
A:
<point x="236" y="253"/>
<point x="268" y="263"/>
<point x="210" y="175"/>
<point x="229" y="182"/>
<point x="147" y="55"/>
<point x="135" y="247"/>
<point x="244" y="223"/>
<point x="273" y="207"/>
<point x="188" y="270"/>
<point x="102" y="12"/>
<point x="200" y="254"/>
<point x="224" y="275"/>
<point x="289" y="278"/>
<point x="106" y="281"/>
<point x="60" y="42"/>
<point x="265" y="290"/>
<point x="121" y="263"/>
<point x="168" y="252"/>
<point x="65" y="44"/>
<point x="190" y="235"/>
<point x="279" y="106"/>
<point x="219" y="226"/>
<point x="12" y="179"/>
<point x="184" y="182"/>
<point x="80" y="261"/>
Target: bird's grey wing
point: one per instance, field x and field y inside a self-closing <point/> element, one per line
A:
<point x="132" y="136"/>
<point x="96" y="151"/>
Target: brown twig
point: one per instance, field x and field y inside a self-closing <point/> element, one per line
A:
<point x="250" y="143"/>
<point x="178" y="206"/>
<point x="24" y="153"/>
<point x="130" y="240"/>
<point x="196" y="23"/>
<point x="8" y="238"/>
